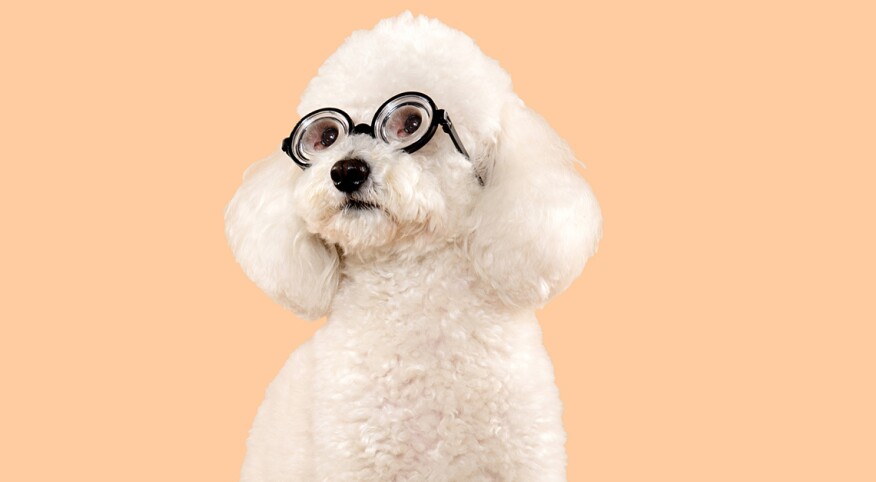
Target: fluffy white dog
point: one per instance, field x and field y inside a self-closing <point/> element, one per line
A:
<point x="429" y="252"/>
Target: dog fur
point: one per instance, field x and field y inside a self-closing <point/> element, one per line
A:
<point x="431" y="365"/>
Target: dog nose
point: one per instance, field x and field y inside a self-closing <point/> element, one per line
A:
<point x="349" y="174"/>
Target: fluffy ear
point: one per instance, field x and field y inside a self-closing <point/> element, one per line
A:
<point x="537" y="221"/>
<point x="291" y="265"/>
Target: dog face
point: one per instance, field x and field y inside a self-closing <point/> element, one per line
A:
<point x="363" y="192"/>
<point x="526" y="220"/>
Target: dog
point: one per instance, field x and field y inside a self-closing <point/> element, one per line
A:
<point x="427" y="211"/>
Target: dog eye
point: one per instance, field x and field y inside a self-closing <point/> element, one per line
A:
<point x="412" y="123"/>
<point x="321" y="135"/>
<point x="406" y="124"/>
<point x="329" y="136"/>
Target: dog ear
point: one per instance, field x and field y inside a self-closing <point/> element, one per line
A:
<point x="537" y="221"/>
<point x="271" y="243"/>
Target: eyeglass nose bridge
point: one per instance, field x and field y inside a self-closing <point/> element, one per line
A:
<point x="363" y="129"/>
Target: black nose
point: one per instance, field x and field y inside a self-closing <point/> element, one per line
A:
<point x="349" y="174"/>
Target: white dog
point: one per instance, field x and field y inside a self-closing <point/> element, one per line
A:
<point x="429" y="248"/>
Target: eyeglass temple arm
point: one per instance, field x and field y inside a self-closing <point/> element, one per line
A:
<point x="447" y="125"/>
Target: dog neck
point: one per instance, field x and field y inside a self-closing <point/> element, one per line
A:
<point x="413" y="250"/>
<point x="411" y="282"/>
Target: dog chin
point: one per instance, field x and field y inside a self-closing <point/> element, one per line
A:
<point x="359" y="224"/>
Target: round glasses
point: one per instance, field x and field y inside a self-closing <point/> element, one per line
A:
<point x="407" y="121"/>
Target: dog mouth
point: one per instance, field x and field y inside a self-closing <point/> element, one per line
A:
<point x="359" y="205"/>
<point x="353" y="208"/>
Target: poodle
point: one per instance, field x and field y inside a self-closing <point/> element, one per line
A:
<point x="429" y="250"/>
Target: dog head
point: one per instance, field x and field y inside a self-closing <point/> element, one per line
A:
<point x="405" y="197"/>
<point x="358" y="193"/>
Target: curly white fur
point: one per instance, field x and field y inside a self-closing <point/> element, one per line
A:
<point x="431" y="365"/>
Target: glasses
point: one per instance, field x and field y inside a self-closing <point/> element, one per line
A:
<point x="407" y="121"/>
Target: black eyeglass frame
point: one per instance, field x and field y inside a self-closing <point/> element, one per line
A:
<point x="439" y="117"/>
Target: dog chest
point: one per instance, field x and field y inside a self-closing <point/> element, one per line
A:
<point x="447" y="399"/>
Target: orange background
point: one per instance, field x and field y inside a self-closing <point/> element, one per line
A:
<point x="724" y="331"/>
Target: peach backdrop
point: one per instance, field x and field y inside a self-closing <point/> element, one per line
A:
<point x="724" y="331"/>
